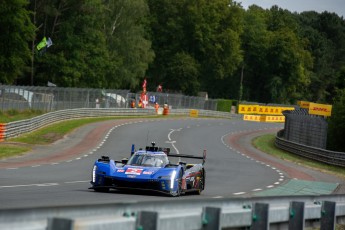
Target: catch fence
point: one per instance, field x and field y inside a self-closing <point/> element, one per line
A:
<point x="50" y="99"/>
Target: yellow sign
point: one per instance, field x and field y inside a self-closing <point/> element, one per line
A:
<point x="248" y="109"/>
<point x="264" y="118"/>
<point x="194" y="113"/>
<point x="303" y="104"/>
<point x="260" y="109"/>
<point x="275" y="118"/>
<point x="251" y="117"/>
<point x="320" y="109"/>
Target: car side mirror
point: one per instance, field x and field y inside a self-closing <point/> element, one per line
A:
<point x="124" y="161"/>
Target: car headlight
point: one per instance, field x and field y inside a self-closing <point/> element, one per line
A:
<point x="94" y="173"/>
<point x="172" y="178"/>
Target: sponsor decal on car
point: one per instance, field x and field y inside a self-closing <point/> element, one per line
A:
<point x="148" y="172"/>
<point x="120" y="170"/>
<point x="134" y="171"/>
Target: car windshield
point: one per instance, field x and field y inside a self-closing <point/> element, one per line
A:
<point x="151" y="160"/>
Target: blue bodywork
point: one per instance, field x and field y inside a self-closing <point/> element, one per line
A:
<point x="147" y="169"/>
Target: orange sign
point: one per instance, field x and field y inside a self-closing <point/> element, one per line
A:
<point x="303" y="104"/>
<point x="320" y="109"/>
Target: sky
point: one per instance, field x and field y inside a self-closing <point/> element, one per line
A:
<point x="336" y="6"/>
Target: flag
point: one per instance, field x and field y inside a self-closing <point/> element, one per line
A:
<point x="42" y="44"/>
<point x="49" y="43"/>
<point x="159" y="88"/>
<point x="144" y="83"/>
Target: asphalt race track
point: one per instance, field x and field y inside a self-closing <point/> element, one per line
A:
<point x="30" y="181"/>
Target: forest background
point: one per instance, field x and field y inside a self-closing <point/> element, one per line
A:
<point x="187" y="46"/>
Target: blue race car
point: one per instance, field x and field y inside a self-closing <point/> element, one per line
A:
<point x="150" y="169"/>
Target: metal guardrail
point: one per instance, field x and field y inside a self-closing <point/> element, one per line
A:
<point x="17" y="128"/>
<point x="317" y="154"/>
<point x="257" y="213"/>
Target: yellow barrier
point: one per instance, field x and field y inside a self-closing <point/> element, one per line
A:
<point x="264" y="118"/>
<point x="262" y="109"/>
<point x="194" y="113"/>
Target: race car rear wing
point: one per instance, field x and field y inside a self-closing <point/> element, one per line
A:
<point x="203" y="158"/>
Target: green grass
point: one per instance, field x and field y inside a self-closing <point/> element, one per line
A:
<point x="8" y="150"/>
<point x="15" y="115"/>
<point x="51" y="133"/>
<point x="265" y="143"/>
<point x="43" y="136"/>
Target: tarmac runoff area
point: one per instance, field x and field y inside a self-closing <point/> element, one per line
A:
<point x="300" y="180"/>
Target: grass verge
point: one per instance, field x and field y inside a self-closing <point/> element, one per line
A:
<point x="8" y="150"/>
<point x="15" y="115"/>
<point x="46" y="135"/>
<point x="266" y="144"/>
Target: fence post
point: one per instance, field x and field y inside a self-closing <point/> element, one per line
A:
<point x="296" y="212"/>
<point x="211" y="218"/>
<point x="147" y="221"/>
<point x="60" y="224"/>
<point x="260" y="216"/>
<point x="327" y="215"/>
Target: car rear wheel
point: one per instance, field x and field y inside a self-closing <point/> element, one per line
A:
<point x="201" y="183"/>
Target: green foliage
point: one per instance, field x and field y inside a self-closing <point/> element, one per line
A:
<point x="183" y="70"/>
<point x="224" y="105"/>
<point x="185" y="45"/>
<point x="15" y="115"/>
<point x="16" y="31"/>
<point x="336" y="124"/>
<point x="207" y="31"/>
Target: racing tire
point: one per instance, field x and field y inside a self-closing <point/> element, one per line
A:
<point x="101" y="189"/>
<point x="201" y="183"/>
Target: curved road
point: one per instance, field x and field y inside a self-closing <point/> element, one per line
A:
<point x="59" y="174"/>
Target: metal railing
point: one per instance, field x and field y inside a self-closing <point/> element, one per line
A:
<point x="17" y="128"/>
<point x="258" y="213"/>
<point x="317" y="154"/>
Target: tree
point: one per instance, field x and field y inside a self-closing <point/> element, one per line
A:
<point x="79" y="57"/>
<point x="16" y="31"/>
<point x="126" y="30"/>
<point x="183" y="72"/>
<point x="206" y="30"/>
<point x="336" y="124"/>
<point x="277" y="65"/>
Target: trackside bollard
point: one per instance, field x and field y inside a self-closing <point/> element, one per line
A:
<point x="211" y="218"/>
<point x="147" y="221"/>
<point x="296" y="213"/>
<point x="327" y="215"/>
<point x="60" y="224"/>
<point x="260" y="216"/>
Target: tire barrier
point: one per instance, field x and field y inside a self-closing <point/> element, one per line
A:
<point x="2" y="131"/>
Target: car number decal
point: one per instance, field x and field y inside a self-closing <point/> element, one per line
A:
<point x="134" y="171"/>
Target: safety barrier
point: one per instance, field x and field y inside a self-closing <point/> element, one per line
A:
<point x="17" y="128"/>
<point x="317" y="154"/>
<point x="2" y="131"/>
<point x="258" y="213"/>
